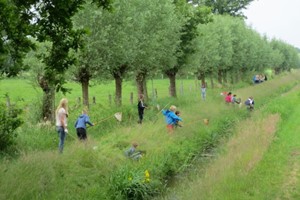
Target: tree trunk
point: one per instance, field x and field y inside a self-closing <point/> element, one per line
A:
<point x="145" y="91"/>
<point x="85" y="91"/>
<point x="212" y="81"/>
<point x="140" y="78"/>
<point x="48" y="105"/>
<point x="225" y="76"/>
<point x="48" y="99"/>
<point x="203" y="80"/>
<point x="220" y="76"/>
<point x="118" y="85"/>
<point x="172" y="78"/>
<point x="201" y="76"/>
<point x="232" y="79"/>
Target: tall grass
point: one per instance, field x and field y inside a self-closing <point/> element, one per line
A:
<point x="92" y="170"/>
<point x="260" y="162"/>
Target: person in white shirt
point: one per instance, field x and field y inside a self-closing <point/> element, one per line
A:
<point x="61" y="115"/>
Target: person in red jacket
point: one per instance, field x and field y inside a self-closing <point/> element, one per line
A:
<point x="228" y="98"/>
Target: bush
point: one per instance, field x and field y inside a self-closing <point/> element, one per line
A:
<point x="9" y="122"/>
<point x="133" y="183"/>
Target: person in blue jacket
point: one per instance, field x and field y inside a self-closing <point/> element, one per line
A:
<point x="171" y="118"/>
<point x="80" y="125"/>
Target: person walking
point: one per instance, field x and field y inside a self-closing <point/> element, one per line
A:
<point x="61" y="115"/>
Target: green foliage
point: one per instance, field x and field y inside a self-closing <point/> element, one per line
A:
<point x="223" y="7"/>
<point x="98" y="168"/>
<point x="133" y="184"/>
<point x="14" y="42"/>
<point x="9" y="122"/>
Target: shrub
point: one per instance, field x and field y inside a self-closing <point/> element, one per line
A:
<point x="9" y="122"/>
<point x="133" y="183"/>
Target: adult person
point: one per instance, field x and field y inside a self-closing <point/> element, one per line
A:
<point x="61" y="115"/>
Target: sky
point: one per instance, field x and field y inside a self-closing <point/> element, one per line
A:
<point x="278" y="19"/>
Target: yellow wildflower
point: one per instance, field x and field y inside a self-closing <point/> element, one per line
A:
<point x="147" y="174"/>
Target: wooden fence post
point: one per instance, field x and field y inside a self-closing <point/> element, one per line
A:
<point x="109" y="99"/>
<point x="7" y="101"/>
<point x="131" y="98"/>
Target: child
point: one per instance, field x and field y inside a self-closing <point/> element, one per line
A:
<point x="141" y="108"/>
<point x="203" y="92"/>
<point x="80" y="125"/>
<point x="132" y="153"/>
<point x="250" y="103"/>
<point x="171" y="118"/>
<point x="177" y="122"/>
<point x="228" y="98"/>
<point x="235" y="99"/>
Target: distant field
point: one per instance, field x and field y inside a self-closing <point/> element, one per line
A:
<point x="23" y="91"/>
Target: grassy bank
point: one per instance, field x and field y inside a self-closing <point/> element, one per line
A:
<point x="261" y="161"/>
<point x="99" y="169"/>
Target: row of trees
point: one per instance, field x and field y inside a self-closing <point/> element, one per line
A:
<point x="133" y="39"/>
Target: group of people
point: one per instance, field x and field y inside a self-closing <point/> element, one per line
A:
<point x="172" y="115"/>
<point x="61" y="116"/>
<point x="231" y="98"/>
<point x="259" y="78"/>
<point x="172" y="118"/>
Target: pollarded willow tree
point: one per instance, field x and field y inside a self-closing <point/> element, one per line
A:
<point x="227" y="47"/>
<point x="192" y="16"/>
<point x="214" y="50"/>
<point x="289" y="54"/>
<point x="112" y="42"/>
<point x="206" y="56"/>
<point x="158" y="36"/>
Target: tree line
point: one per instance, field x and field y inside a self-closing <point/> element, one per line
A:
<point x="100" y="40"/>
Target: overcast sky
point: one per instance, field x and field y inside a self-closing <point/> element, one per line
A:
<point x="276" y="18"/>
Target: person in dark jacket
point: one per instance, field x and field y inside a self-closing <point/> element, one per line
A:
<point x="80" y="125"/>
<point x="141" y="107"/>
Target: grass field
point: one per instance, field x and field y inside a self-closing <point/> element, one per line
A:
<point x="261" y="161"/>
<point x="98" y="169"/>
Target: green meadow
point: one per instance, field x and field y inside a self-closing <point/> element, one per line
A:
<point x="238" y="155"/>
<point x="260" y="161"/>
